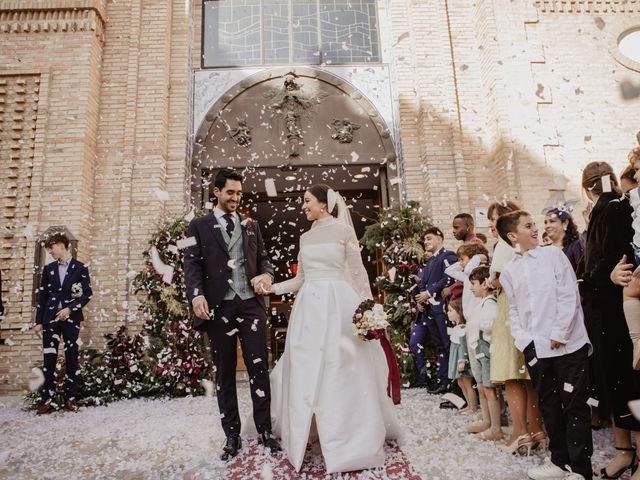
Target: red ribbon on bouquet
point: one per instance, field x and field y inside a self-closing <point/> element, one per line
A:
<point x="393" y="380"/>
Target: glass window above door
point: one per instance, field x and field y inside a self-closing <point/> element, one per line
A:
<point x="284" y="32"/>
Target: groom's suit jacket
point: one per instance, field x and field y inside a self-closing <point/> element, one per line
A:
<point x="206" y="264"/>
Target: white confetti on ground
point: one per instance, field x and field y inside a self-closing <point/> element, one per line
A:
<point x="182" y="438"/>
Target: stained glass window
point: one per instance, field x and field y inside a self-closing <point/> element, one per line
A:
<point x="268" y="32"/>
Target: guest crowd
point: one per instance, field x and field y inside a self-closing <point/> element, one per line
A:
<point x="543" y="332"/>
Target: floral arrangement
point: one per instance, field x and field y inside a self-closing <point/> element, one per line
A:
<point x="370" y="320"/>
<point x="370" y="323"/>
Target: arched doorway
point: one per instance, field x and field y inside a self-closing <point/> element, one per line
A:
<point x="287" y="129"/>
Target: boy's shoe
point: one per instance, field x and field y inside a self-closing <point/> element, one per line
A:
<point x="573" y="476"/>
<point x="71" y="406"/>
<point x="45" y="409"/>
<point x="547" y="471"/>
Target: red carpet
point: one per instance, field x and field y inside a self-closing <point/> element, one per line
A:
<point x="254" y="461"/>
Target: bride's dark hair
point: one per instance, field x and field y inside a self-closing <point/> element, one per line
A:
<point x="320" y="191"/>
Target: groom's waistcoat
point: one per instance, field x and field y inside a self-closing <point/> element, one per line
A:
<point x="239" y="282"/>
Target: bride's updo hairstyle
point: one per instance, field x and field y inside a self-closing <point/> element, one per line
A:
<point x="320" y="191"/>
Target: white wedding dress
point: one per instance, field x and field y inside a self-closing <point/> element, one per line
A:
<point x="326" y="371"/>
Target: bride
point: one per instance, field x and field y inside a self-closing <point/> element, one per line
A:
<point x="329" y="382"/>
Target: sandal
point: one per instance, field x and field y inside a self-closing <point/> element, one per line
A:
<point x="633" y="465"/>
<point x="539" y="439"/>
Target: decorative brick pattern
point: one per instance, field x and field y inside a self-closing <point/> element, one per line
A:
<point x="18" y="116"/>
<point x="588" y="6"/>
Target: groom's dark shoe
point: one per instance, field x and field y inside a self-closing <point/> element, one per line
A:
<point x="230" y="449"/>
<point x="269" y="442"/>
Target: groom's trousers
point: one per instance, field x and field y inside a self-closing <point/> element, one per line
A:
<point x="245" y="320"/>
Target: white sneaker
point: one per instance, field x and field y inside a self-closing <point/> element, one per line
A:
<point x="573" y="476"/>
<point x="547" y="471"/>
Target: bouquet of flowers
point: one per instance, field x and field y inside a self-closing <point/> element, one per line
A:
<point x="370" y="323"/>
<point x="370" y="320"/>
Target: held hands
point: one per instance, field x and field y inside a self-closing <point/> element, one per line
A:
<point x="262" y="284"/>
<point x="622" y="272"/>
<point x="461" y="366"/>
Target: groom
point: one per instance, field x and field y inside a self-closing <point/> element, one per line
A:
<point x="222" y="271"/>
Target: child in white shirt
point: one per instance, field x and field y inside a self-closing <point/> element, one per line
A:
<point x="484" y="315"/>
<point x="547" y="324"/>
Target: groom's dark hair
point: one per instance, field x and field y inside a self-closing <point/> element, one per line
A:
<point x="224" y="175"/>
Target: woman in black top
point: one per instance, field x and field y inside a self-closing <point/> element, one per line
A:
<point x="609" y="236"/>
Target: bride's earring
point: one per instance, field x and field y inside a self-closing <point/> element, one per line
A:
<point x="322" y="210"/>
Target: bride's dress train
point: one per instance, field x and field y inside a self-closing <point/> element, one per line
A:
<point x="326" y="371"/>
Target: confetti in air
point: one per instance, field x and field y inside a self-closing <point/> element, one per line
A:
<point x="270" y="186"/>
<point x="187" y="242"/>
<point x="38" y="381"/>
<point x="160" y="267"/>
<point x="162" y="195"/>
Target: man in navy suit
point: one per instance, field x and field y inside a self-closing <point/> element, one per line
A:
<point x="64" y="290"/>
<point x="223" y="269"/>
<point x="431" y="321"/>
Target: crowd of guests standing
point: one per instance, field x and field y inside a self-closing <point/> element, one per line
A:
<point x="549" y="327"/>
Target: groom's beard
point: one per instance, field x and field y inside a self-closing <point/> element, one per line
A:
<point x="226" y="206"/>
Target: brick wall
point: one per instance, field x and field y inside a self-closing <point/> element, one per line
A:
<point x="496" y="98"/>
<point x="112" y="131"/>
<point x="51" y="49"/>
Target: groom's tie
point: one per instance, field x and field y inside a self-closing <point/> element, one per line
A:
<point x="230" y="225"/>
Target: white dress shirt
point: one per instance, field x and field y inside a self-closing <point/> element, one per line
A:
<point x="544" y="302"/>
<point x="455" y="271"/>
<point x="63" y="265"/>
<point x="219" y="214"/>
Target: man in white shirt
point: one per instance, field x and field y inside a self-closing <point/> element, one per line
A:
<point x="547" y="324"/>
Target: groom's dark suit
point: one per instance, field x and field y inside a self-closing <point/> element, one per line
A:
<point x="209" y="271"/>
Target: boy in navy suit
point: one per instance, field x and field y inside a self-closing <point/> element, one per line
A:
<point x="64" y="290"/>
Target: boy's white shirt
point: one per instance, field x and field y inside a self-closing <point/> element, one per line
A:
<point x="481" y="319"/>
<point x="455" y="271"/>
<point x="544" y="302"/>
<point x="487" y="313"/>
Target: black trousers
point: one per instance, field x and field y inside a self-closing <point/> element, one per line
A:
<point x="566" y="415"/>
<point x="68" y="330"/>
<point x="245" y="320"/>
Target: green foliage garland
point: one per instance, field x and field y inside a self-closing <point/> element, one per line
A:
<point x="398" y="235"/>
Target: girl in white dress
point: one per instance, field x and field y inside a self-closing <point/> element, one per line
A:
<point x="327" y="376"/>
